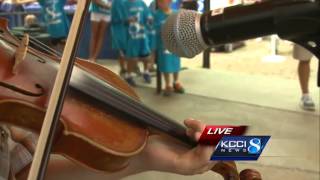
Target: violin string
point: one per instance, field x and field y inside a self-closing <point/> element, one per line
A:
<point x="40" y="45"/>
<point x="127" y="101"/>
<point x="132" y="109"/>
<point x="43" y="46"/>
<point x="13" y="43"/>
<point x="121" y="101"/>
<point x="135" y="103"/>
<point x="157" y="120"/>
<point x="126" y="104"/>
<point x="137" y="107"/>
<point x="36" y="42"/>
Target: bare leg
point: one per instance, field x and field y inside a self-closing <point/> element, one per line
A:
<point x="168" y="88"/>
<point x="175" y="77"/>
<point x="100" y="38"/>
<point x="122" y="62"/>
<point x="146" y="63"/>
<point x="93" y="41"/>
<point x="145" y="66"/>
<point x="152" y="61"/>
<point x="167" y="79"/>
<point x="304" y="74"/>
<point x="131" y="65"/>
<point x="146" y="73"/>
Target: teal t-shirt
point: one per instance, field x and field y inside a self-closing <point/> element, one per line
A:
<point x="98" y="9"/>
<point x="167" y="62"/>
<point x="118" y="27"/>
<point x="55" y="18"/>
<point x="137" y="43"/>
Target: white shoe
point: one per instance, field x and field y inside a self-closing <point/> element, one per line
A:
<point x="307" y="103"/>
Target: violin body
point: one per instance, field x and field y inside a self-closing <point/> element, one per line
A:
<point x="90" y="133"/>
<point x="84" y="124"/>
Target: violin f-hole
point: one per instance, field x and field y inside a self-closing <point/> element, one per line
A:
<point x="23" y="91"/>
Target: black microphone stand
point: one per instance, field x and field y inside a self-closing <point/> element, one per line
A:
<point x="206" y="53"/>
<point x="158" y="73"/>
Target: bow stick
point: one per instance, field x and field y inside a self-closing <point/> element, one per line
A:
<point x="44" y="146"/>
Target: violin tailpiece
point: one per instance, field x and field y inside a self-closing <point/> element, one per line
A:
<point x="21" y="53"/>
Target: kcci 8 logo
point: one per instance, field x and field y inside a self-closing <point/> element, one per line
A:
<point x="240" y="148"/>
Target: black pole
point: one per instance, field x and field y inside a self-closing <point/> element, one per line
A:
<point x="206" y="53"/>
<point x="159" y="80"/>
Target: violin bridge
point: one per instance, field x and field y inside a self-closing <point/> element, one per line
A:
<point x="21" y="53"/>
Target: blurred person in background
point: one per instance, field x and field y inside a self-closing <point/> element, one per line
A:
<point x="56" y="21"/>
<point x="304" y="57"/>
<point x="137" y="16"/>
<point x="100" y="19"/>
<point x="168" y="63"/>
<point x="119" y="33"/>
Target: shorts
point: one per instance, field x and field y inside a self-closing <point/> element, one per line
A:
<point x="137" y="48"/>
<point x="97" y="17"/>
<point x="301" y="54"/>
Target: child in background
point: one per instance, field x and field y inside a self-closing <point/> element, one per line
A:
<point x="56" y="21"/>
<point x="100" y="19"/>
<point x="137" y="16"/>
<point x="119" y="32"/>
<point x="151" y="33"/>
<point x="168" y="62"/>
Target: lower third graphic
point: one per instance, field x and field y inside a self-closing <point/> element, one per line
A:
<point x="240" y="148"/>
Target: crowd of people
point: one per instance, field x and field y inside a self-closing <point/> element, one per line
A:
<point x="135" y="30"/>
<point x="135" y="34"/>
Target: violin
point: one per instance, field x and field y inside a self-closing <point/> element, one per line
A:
<point x="102" y="115"/>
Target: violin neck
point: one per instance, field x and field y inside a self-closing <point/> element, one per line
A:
<point x="141" y="114"/>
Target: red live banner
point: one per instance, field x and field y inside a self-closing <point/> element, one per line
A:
<point x="213" y="134"/>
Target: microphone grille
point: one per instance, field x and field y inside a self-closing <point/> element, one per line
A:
<point x="181" y="34"/>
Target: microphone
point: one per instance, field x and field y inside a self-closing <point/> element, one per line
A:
<point x="188" y="33"/>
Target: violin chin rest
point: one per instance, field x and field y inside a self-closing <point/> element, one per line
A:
<point x="250" y="174"/>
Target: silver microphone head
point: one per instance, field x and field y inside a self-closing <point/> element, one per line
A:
<point x="181" y="34"/>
